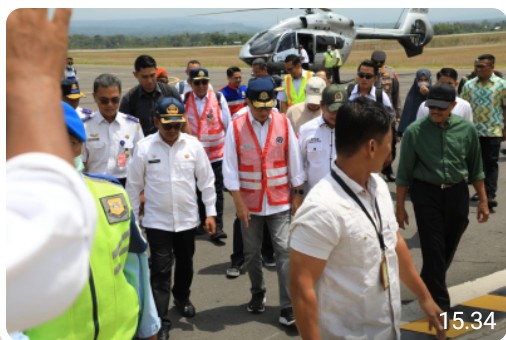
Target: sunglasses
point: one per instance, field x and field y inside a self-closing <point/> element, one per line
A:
<point x="105" y="101"/>
<point x="365" y="75"/>
<point x="175" y="126"/>
<point x="480" y="66"/>
<point x="199" y="82"/>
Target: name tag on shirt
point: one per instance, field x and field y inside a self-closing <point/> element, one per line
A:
<point x="151" y="161"/>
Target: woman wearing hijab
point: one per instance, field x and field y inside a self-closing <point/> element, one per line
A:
<point x="416" y="95"/>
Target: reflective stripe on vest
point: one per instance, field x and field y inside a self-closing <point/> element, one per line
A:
<point x="108" y="306"/>
<point x="209" y="128"/>
<point x="262" y="171"/>
<point x="330" y="59"/>
<point x="293" y="97"/>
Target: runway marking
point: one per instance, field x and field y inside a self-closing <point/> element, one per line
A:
<point x="422" y="326"/>
<point x="492" y="302"/>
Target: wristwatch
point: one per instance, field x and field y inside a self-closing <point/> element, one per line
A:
<point x="298" y="192"/>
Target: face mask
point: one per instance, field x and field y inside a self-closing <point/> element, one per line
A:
<point x="423" y="83"/>
<point x="78" y="164"/>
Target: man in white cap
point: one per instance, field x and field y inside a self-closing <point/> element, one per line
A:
<point x="301" y="113"/>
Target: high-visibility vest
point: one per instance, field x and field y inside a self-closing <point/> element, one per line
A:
<point x="330" y="59"/>
<point x="208" y="128"/>
<point x="293" y="97"/>
<point x="262" y="171"/>
<point x="108" y="306"/>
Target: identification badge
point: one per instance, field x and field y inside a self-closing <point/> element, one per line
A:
<point x="385" y="279"/>
<point x="115" y="208"/>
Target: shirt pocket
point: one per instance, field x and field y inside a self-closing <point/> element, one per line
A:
<point x="155" y="172"/>
<point x="184" y="171"/>
<point x="314" y="152"/>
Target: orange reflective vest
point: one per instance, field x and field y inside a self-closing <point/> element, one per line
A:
<point x="262" y="171"/>
<point x="208" y="128"/>
<point x="293" y="97"/>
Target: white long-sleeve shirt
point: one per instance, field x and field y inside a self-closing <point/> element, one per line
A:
<point x="463" y="109"/>
<point x="230" y="162"/>
<point x="169" y="176"/>
<point x="50" y="223"/>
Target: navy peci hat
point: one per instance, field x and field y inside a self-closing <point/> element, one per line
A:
<point x="70" y="89"/>
<point x="170" y="110"/>
<point x="199" y="73"/>
<point x="440" y="95"/>
<point x="74" y="124"/>
<point x="261" y="92"/>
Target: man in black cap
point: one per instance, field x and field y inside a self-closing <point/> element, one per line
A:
<point x="263" y="171"/>
<point x="169" y="166"/>
<point x="72" y="94"/>
<point x="439" y="153"/>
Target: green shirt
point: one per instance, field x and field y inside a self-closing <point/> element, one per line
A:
<point x="487" y="99"/>
<point x="439" y="155"/>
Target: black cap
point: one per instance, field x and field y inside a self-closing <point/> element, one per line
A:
<point x="70" y="89"/>
<point x="378" y="56"/>
<point x="334" y="96"/>
<point x="440" y="95"/>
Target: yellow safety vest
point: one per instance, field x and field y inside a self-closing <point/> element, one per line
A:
<point x="330" y="59"/>
<point x="292" y="97"/>
<point x="108" y="306"/>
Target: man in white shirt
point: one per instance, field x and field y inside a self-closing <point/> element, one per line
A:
<point x="112" y="135"/>
<point x="304" y="57"/>
<point x="449" y="76"/>
<point x="169" y="166"/>
<point x="208" y="118"/>
<point x="269" y="160"/>
<point x="317" y="137"/>
<point x="346" y="254"/>
<point x="301" y="113"/>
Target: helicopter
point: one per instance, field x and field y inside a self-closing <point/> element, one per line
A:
<point x="315" y="31"/>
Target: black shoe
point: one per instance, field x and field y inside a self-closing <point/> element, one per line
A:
<point x="269" y="261"/>
<point x="286" y="317"/>
<point x="200" y="230"/>
<point x="475" y="198"/>
<point x="492" y="203"/>
<point x="257" y="303"/>
<point x="218" y="235"/>
<point x="503" y="151"/>
<point x="185" y="307"/>
<point x="234" y="271"/>
<point x="163" y="333"/>
<point x="390" y="178"/>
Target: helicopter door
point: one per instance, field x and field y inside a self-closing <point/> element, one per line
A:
<point x="285" y="47"/>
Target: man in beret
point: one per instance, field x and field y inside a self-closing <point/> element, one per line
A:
<point x="263" y="171"/>
<point x="439" y="154"/>
<point x="169" y="166"/>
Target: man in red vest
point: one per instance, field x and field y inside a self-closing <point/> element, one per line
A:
<point x="263" y="171"/>
<point x="208" y="118"/>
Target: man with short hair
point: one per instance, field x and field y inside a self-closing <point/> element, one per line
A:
<point x="70" y="70"/>
<point x="168" y="167"/>
<point x="301" y="113"/>
<point x="71" y="94"/>
<point x="261" y="165"/>
<point x="142" y="99"/>
<point x="112" y="135"/>
<point x="439" y="155"/>
<point x="294" y="83"/>
<point x="487" y="95"/>
<point x="448" y="75"/>
<point x="184" y="86"/>
<point x="332" y="62"/>
<point x="346" y="255"/>
<point x="316" y="138"/>
<point x="208" y="119"/>
<point x="259" y="68"/>
<point x="323" y="74"/>
<point x="304" y="57"/>
<point x="234" y="92"/>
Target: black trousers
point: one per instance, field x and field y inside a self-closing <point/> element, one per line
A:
<point x="164" y="247"/>
<point x="237" y="257"/>
<point x="490" y="147"/>
<point x="218" y="186"/>
<point x="442" y="217"/>
<point x="336" y="78"/>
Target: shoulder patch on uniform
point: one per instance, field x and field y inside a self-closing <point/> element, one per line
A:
<point x="132" y="118"/>
<point x="87" y="111"/>
<point x="115" y="208"/>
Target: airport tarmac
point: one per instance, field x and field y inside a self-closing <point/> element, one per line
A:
<point x="221" y="302"/>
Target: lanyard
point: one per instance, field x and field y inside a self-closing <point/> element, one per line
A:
<point x="346" y="188"/>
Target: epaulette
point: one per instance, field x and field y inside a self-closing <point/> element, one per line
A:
<point x="87" y="111"/>
<point x="87" y="118"/>
<point x="132" y="118"/>
<point x="103" y="178"/>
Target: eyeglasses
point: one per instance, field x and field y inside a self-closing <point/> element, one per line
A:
<point x="175" y="126"/>
<point x="105" y="101"/>
<point x="365" y="75"/>
<point x="200" y="82"/>
<point x="480" y="66"/>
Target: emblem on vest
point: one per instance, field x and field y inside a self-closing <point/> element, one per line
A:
<point x="247" y="146"/>
<point x="279" y="140"/>
<point x="115" y="208"/>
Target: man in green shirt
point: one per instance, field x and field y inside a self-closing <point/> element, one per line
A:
<point x="438" y="154"/>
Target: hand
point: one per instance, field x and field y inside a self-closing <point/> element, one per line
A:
<point x="141" y="204"/>
<point x="210" y="225"/>
<point x="402" y="217"/>
<point x="482" y="212"/>
<point x="432" y="311"/>
<point x="243" y="213"/>
<point x="424" y="90"/>
<point x="296" y="203"/>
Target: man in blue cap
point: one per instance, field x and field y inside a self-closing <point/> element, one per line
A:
<point x="263" y="146"/>
<point x="169" y="166"/>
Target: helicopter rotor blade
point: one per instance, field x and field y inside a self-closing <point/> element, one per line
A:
<point x="232" y="11"/>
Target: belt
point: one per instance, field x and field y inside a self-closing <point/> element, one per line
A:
<point x="443" y="186"/>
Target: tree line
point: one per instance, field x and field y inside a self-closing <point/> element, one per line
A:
<point x="81" y="41"/>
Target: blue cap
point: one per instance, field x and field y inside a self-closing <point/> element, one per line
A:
<point x="261" y="92"/>
<point x="199" y="73"/>
<point x="170" y="110"/>
<point x="73" y="122"/>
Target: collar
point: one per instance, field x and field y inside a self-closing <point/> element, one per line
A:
<point x="321" y="122"/>
<point x="101" y="118"/>
<point x="198" y="98"/>
<point x="372" y="184"/>
<point x="252" y="119"/>
<point x="181" y="138"/>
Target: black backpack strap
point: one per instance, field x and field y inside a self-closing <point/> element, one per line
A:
<point x="132" y="100"/>
<point x="379" y="95"/>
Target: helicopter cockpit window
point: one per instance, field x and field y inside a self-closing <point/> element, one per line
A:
<point x="265" y="42"/>
<point x="322" y="43"/>
<point x="287" y="42"/>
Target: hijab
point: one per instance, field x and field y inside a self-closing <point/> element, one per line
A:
<point x="413" y="100"/>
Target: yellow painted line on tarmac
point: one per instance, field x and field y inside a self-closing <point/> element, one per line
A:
<point x="491" y="302"/>
<point x="422" y="326"/>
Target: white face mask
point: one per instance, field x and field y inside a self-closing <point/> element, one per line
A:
<point x="78" y="164"/>
<point x="423" y="83"/>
